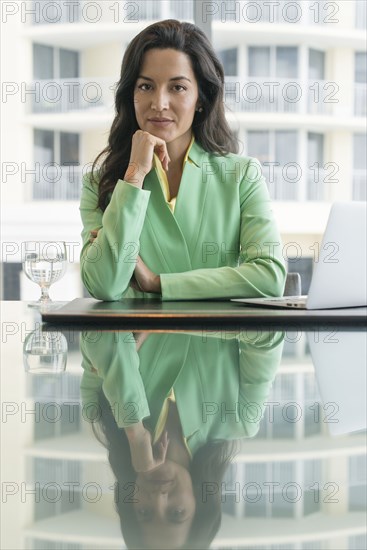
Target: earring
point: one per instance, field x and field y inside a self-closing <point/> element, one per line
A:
<point x="200" y="109"/>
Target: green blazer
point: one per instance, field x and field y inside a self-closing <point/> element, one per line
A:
<point x="220" y="385"/>
<point x="220" y="242"/>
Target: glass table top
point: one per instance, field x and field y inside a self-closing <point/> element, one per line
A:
<point x="251" y="439"/>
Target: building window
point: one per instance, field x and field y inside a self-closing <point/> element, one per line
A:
<point x="357" y="542"/>
<point x="259" y="145"/>
<point x="11" y="280"/>
<point x="317" y="91"/>
<point x="43" y="429"/>
<point x="67" y="387"/>
<point x="54" y="63"/>
<point x="361" y="14"/>
<point x="270" y="61"/>
<point x="50" y="66"/>
<point x="278" y="153"/>
<point x="359" y="167"/>
<point x="316" y="65"/>
<point x="259" y="61"/>
<point x="43" y="62"/>
<point x="68" y="63"/>
<point x="360" y="86"/>
<point x="59" y="174"/>
<point x="315" y="154"/>
<point x="52" y="473"/>
<point x="44" y="147"/>
<point x="357" y="483"/>
<point x="286" y="62"/>
<point x="272" y="80"/>
<point x="229" y="61"/>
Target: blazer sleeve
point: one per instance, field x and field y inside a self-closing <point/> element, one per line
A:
<point x="259" y="361"/>
<point x="111" y="363"/>
<point x="261" y="271"/>
<point x="108" y="263"/>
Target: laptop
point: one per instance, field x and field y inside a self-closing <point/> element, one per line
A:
<point x="339" y="276"/>
<point x="342" y="390"/>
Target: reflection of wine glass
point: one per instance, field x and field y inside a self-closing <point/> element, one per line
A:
<point x="44" y="263"/>
<point x="45" y="352"/>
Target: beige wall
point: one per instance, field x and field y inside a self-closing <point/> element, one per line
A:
<point x="93" y="142"/>
<point x="103" y="60"/>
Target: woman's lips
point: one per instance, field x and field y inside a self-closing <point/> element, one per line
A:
<point x="161" y="481"/>
<point x="160" y="123"/>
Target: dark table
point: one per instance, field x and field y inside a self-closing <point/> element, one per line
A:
<point x="297" y="480"/>
<point x="155" y="314"/>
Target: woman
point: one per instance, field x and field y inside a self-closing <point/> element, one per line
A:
<point x="172" y="211"/>
<point x="170" y="408"/>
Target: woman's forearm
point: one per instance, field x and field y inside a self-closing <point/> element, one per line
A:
<point x="108" y="263"/>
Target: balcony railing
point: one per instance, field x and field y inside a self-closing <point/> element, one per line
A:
<point x="360" y="185"/>
<point x="284" y="185"/>
<point x="282" y="11"/>
<point x="174" y="9"/>
<point x="315" y="189"/>
<point x="277" y="95"/>
<point x="262" y="11"/>
<point x="63" y="183"/>
<point x="57" y="12"/>
<point x="83" y="11"/>
<point x="252" y="95"/>
<point x="46" y="470"/>
<point x="360" y="99"/>
<point x="291" y="183"/>
<point x="44" y="389"/>
<point x="71" y="94"/>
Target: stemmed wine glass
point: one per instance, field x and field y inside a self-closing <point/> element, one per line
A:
<point x="45" y="352"/>
<point x="44" y="263"/>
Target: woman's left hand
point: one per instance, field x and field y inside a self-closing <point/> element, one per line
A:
<point x="146" y="279"/>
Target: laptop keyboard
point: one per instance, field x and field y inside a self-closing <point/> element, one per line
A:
<point x="288" y="298"/>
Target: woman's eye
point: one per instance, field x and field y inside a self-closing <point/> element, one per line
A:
<point x="144" y="87"/>
<point x="179" y="88"/>
<point x="176" y="513"/>
<point x="144" y="513"/>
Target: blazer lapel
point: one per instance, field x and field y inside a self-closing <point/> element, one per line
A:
<point x="175" y="235"/>
<point x="162" y="228"/>
<point x="190" y="202"/>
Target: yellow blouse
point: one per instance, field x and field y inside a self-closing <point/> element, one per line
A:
<point x="161" y="422"/>
<point x="162" y="176"/>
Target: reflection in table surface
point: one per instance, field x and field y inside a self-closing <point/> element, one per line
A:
<point x="266" y="438"/>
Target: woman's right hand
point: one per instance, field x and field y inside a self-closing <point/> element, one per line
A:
<point x="141" y="157"/>
<point x="145" y="456"/>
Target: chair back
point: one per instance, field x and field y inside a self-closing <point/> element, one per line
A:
<point x="292" y="285"/>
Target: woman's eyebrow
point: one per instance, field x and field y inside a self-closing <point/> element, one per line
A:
<point x="174" y="78"/>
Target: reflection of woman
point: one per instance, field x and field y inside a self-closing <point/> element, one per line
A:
<point x="169" y="409"/>
<point x="172" y="210"/>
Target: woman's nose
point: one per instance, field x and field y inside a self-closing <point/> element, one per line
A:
<point x="159" y="489"/>
<point x="158" y="494"/>
<point x="160" y="100"/>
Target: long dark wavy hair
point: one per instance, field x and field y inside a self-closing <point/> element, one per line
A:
<point x="210" y="127"/>
<point x="208" y="465"/>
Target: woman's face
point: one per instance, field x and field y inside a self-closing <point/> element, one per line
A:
<point x="166" y="96"/>
<point x="165" y="505"/>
